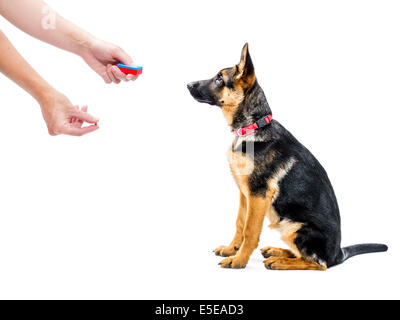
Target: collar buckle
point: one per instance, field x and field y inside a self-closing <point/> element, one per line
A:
<point x="251" y="129"/>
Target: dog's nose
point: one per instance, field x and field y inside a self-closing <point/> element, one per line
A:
<point x="191" y="85"/>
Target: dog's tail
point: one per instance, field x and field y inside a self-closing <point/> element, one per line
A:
<point x="351" y="251"/>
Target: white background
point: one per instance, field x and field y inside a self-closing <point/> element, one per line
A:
<point x="134" y="210"/>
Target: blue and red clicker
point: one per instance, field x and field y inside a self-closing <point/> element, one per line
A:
<point x="129" y="69"/>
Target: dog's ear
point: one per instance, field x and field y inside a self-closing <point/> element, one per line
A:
<point x="245" y="68"/>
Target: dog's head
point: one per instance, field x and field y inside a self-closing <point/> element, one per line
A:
<point x="229" y="87"/>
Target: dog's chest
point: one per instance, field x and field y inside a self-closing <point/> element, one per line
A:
<point x="242" y="166"/>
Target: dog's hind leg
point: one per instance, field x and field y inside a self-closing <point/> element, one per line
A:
<point x="277" y="252"/>
<point x="299" y="262"/>
<point x="226" y="251"/>
<point x="281" y="263"/>
<point x="289" y="230"/>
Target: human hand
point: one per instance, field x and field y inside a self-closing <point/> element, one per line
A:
<point x="102" y="58"/>
<point x="64" y="118"/>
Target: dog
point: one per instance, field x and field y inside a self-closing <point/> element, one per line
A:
<point x="277" y="177"/>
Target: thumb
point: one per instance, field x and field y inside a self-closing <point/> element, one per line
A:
<point x="123" y="57"/>
<point x="84" y="116"/>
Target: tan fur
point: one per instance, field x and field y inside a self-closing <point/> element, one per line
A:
<point x="256" y="208"/>
<point x="273" y="189"/>
<point x="241" y="167"/>
<point x="277" y="252"/>
<point x="273" y="182"/>
<point x="231" y="98"/>
<point x="288" y="232"/>
<point x="244" y="80"/>
<point x="230" y="101"/>
<point x="283" y="259"/>
<point x="286" y="227"/>
<point x="253" y="212"/>
<point x="243" y="56"/>
<point x="227" y="251"/>
<point x="273" y="218"/>
<point x="271" y="156"/>
<point x="281" y="263"/>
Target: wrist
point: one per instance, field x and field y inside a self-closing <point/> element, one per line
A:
<point x="85" y="45"/>
<point x="44" y="95"/>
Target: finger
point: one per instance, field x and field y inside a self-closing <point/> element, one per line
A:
<point x="84" y="116"/>
<point x="111" y="74"/>
<point x="122" y="56"/>
<point x="131" y="77"/>
<point x="118" y="73"/>
<point x="73" y="119"/>
<point x="105" y="77"/>
<point x="79" y="131"/>
<point x="79" y="122"/>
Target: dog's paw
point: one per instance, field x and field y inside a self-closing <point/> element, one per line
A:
<point x="234" y="262"/>
<point x="225" y="251"/>
<point x="267" y="252"/>
<point x="281" y="263"/>
<point x="271" y="261"/>
<point x="276" y="252"/>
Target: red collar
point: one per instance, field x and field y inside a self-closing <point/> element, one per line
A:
<point x="253" y="127"/>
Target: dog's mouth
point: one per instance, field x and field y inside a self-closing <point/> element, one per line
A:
<point x="203" y="101"/>
<point x="197" y="96"/>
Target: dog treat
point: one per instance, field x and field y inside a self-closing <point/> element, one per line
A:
<point x="129" y="69"/>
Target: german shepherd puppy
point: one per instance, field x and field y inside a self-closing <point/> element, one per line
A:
<point x="277" y="177"/>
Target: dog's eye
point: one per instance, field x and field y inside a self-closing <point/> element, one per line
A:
<point x="219" y="81"/>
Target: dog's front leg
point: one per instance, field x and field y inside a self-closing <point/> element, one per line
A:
<point x="227" y="251"/>
<point x="256" y="209"/>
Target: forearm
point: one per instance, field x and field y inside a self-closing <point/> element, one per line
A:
<point x="14" y="66"/>
<point x="37" y="19"/>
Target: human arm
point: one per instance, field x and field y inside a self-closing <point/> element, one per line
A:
<point x="36" y="18"/>
<point x="60" y="115"/>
